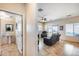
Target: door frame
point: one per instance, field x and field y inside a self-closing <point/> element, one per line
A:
<point x="22" y="25"/>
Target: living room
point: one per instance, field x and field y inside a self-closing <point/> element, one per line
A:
<point x="59" y="19"/>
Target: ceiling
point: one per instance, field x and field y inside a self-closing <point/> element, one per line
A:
<point x="54" y="11"/>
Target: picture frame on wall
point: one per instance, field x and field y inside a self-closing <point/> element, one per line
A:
<point x="61" y="27"/>
<point x="9" y="27"/>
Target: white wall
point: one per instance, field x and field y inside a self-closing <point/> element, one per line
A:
<point x="31" y="42"/>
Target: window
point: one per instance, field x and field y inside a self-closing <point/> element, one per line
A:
<point x="69" y="29"/>
<point x="54" y="29"/>
<point x="49" y="30"/>
<point x="72" y="29"/>
<point x="76" y="28"/>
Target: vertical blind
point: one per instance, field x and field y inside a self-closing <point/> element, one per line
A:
<point x="72" y="29"/>
<point x="69" y="29"/>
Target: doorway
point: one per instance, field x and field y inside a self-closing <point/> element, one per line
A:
<point x="11" y="34"/>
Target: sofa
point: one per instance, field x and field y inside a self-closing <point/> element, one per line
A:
<point x="52" y="40"/>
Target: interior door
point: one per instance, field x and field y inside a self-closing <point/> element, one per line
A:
<point x="19" y="34"/>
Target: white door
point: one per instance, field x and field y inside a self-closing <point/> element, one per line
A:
<point x="19" y="34"/>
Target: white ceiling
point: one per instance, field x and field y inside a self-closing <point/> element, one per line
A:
<point x="53" y="11"/>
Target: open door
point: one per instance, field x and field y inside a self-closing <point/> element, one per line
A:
<point x="19" y="34"/>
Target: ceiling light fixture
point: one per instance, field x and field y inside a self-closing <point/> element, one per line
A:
<point x="43" y="19"/>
